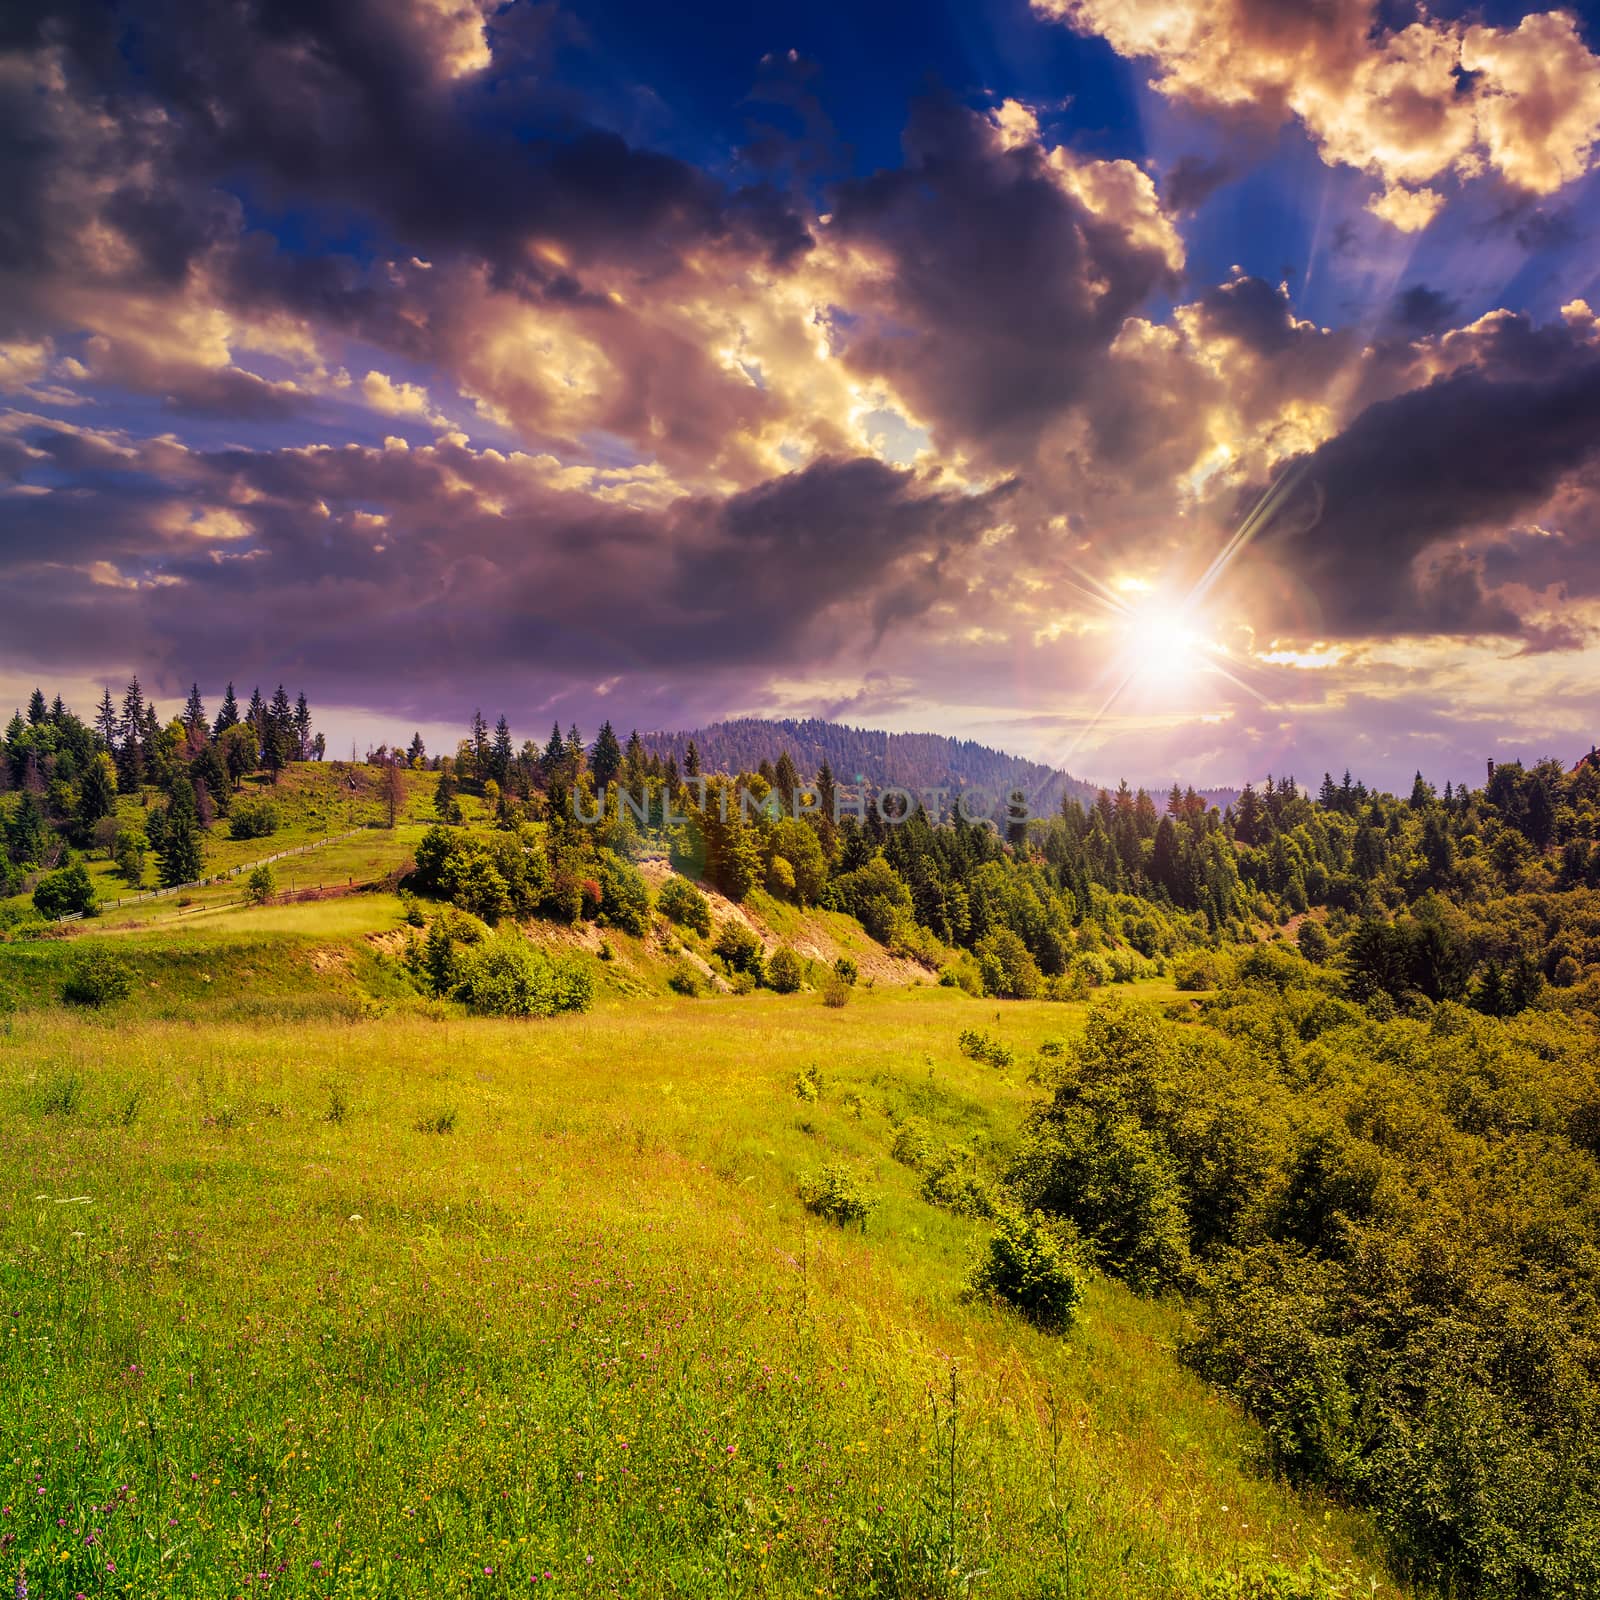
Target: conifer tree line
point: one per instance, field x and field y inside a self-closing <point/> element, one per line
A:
<point x="71" y="772"/>
<point x="1434" y="894"/>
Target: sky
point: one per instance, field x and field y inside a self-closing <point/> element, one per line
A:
<point x="1159" y="390"/>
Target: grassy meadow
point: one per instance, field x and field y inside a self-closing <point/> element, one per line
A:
<point x="313" y="1288"/>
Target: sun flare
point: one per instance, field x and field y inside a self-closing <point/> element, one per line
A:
<point x="1163" y="644"/>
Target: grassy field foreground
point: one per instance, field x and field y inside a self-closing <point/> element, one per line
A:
<point x="425" y="1306"/>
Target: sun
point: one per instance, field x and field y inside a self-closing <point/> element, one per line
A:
<point x="1163" y="644"/>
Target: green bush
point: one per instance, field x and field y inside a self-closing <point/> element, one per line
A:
<point x="835" y="1193"/>
<point x="262" y="885"/>
<point x="98" y="978"/>
<point x="835" y="992"/>
<point x="844" y="969"/>
<point x="252" y="819"/>
<point x="784" y="972"/>
<point x="951" y="1179"/>
<point x="911" y="1145"/>
<point x="506" y="977"/>
<point x="1028" y="1264"/>
<point x="739" y="947"/>
<point x="679" y="901"/>
<point x="60" y="894"/>
<point x="977" y="1045"/>
<point x="624" y="897"/>
<point x="684" y="980"/>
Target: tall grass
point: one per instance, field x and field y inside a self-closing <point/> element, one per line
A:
<point x="589" y="1344"/>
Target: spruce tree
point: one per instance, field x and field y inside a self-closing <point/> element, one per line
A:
<point x="37" y="710"/>
<point x="194" y="711"/>
<point x="691" y="761"/>
<point x="606" y="760"/>
<point x="105" y="721"/>
<point x="132" y="751"/>
<point x="554" y="754"/>
<point x="182" y="858"/>
<point x="480" y="747"/>
<point x="502" y="753"/>
<point x="228" y="716"/>
<point x="302" y="728"/>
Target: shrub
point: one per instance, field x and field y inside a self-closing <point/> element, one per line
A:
<point x="979" y="1046"/>
<point x="99" y="979"/>
<point x="911" y="1145"/>
<point x="738" y="946"/>
<point x="835" y="992"/>
<point x="784" y="972"/>
<point x="679" y="901"/>
<point x="1029" y="1265"/>
<point x="441" y="1121"/>
<point x="952" y="1180"/>
<point x="262" y="885"/>
<point x="1197" y="970"/>
<point x="624" y="898"/>
<point x="836" y="1194"/>
<point x="128" y="851"/>
<point x="253" y="819"/>
<point x="808" y="1086"/>
<point x="683" y="979"/>
<point x="439" y="959"/>
<point x="1091" y="968"/>
<point x="844" y="969"/>
<point x="60" y="894"/>
<point x="505" y="977"/>
<point x="1009" y="970"/>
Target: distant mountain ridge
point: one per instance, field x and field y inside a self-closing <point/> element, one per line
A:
<point x="912" y="760"/>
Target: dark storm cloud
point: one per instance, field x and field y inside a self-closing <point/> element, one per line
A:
<point x="347" y="107"/>
<point x="1004" y="286"/>
<point x="1410" y="482"/>
<point x="477" y="564"/>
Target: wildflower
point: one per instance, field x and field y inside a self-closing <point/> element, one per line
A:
<point x="22" y="1586"/>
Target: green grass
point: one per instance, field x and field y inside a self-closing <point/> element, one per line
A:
<point x="265" y="1315"/>
<point x="315" y="801"/>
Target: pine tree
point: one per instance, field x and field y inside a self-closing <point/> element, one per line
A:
<point x="418" y="751"/>
<point x="132" y="751"/>
<point x="554" y="755"/>
<point x="575" y="755"/>
<point x="827" y="797"/>
<point x="502" y="753"/>
<point x="302" y="728"/>
<point x="480" y="747"/>
<point x="105" y="721"/>
<point x="633" y="761"/>
<point x="256" y="716"/>
<point x="97" y="795"/>
<point x="194" y="712"/>
<point x="228" y="716"/>
<point x="691" y="761"/>
<point x="606" y="760"/>
<point x="182" y="858"/>
<point x="278" y="747"/>
<point x="25" y="832"/>
<point x="37" y="710"/>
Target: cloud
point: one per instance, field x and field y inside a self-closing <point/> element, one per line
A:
<point x="417" y="572"/>
<point x="1418" y="486"/>
<point x="1433" y="99"/>
<point x="985" y="277"/>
